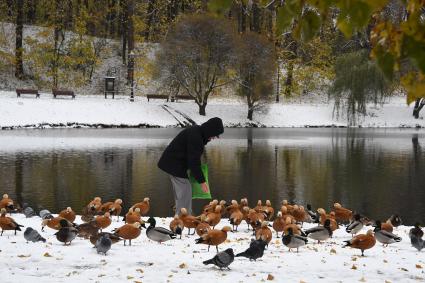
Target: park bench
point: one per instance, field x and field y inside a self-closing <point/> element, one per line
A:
<point x="57" y="92"/>
<point x="20" y="91"/>
<point x="157" y="96"/>
<point x="184" y="97"/>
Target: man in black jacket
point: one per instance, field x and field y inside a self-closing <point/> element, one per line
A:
<point x="183" y="153"/>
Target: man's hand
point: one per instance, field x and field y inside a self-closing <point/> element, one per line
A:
<point x="205" y="187"/>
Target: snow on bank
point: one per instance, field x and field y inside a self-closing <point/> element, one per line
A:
<point x="181" y="260"/>
<point x="94" y="111"/>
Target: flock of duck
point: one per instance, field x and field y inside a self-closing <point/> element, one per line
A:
<point x="287" y="223"/>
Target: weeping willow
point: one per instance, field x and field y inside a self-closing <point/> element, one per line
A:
<point x="358" y="81"/>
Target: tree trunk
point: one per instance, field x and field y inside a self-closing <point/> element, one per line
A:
<point x="419" y="104"/>
<point x="9" y="9"/>
<point x="19" y="71"/>
<point x="124" y="29"/>
<point x="250" y="113"/>
<point x="202" y="109"/>
<point x="31" y="12"/>
<point x="256" y="14"/>
<point x="241" y="18"/>
<point x="288" y="81"/>
<point x="130" y="38"/>
<point x="149" y="20"/>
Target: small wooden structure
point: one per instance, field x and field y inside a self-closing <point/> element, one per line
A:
<point x="20" y="91"/>
<point x="157" y="96"/>
<point x="57" y="92"/>
<point x="184" y="97"/>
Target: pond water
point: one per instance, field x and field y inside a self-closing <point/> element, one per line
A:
<point x="374" y="171"/>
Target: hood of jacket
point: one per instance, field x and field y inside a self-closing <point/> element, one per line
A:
<point x="212" y="128"/>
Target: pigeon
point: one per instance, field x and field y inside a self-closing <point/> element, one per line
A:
<point x="255" y="250"/>
<point x="103" y="244"/>
<point x="45" y="214"/>
<point x="415" y="235"/>
<point x="28" y="211"/>
<point x="222" y="259"/>
<point x="158" y="234"/>
<point x="66" y="234"/>
<point x="32" y="235"/>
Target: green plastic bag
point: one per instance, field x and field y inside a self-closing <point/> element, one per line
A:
<point x="197" y="192"/>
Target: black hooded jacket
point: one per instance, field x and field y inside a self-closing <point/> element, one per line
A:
<point x="185" y="150"/>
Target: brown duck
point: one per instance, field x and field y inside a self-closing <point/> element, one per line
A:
<point x="7" y="223"/>
<point x="214" y="237"/>
<point x="68" y="214"/>
<point x="129" y="231"/>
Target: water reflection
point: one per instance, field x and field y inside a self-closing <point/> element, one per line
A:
<point x="377" y="172"/>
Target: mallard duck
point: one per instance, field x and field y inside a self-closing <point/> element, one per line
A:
<point x="384" y="236"/>
<point x="293" y="241"/>
<point x="320" y="233"/>
<point x="66" y="234"/>
<point x="355" y="226"/>
<point x="86" y="230"/>
<point x="158" y="234"/>
<point x="395" y="220"/>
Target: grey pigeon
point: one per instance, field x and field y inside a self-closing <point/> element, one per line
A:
<point x="222" y="259"/>
<point x="103" y="244"/>
<point x="45" y="214"/>
<point x="28" y="212"/>
<point x="32" y="235"/>
<point x="255" y="250"/>
<point x="415" y="235"/>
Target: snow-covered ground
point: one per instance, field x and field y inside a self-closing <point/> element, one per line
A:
<point x="95" y="111"/>
<point x="181" y="260"/>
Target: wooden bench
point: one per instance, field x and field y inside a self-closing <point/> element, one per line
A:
<point x="57" y="92"/>
<point x="20" y="91"/>
<point x="157" y="96"/>
<point x="184" y="97"/>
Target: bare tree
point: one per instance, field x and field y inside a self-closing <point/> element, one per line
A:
<point x="19" y="71"/>
<point x="256" y="67"/>
<point x="196" y="57"/>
